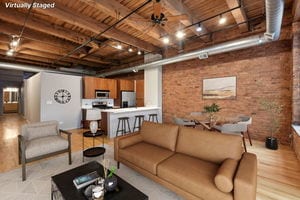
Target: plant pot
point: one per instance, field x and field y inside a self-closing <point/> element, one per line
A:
<point x="110" y="183"/>
<point x="271" y="143"/>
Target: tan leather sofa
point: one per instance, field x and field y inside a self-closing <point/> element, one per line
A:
<point x="193" y="163"/>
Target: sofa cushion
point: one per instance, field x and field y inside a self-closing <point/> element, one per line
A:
<point x="45" y="145"/>
<point x="145" y="156"/>
<point x="128" y="141"/>
<point x="210" y="146"/>
<point x="225" y="174"/>
<point x="40" y="129"/>
<point x="163" y="135"/>
<point x="192" y="175"/>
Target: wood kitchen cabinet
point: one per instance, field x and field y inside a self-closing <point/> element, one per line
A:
<point x="126" y="84"/>
<point x="90" y="84"/>
<point x="139" y="89"/>
<point x="112" y="87"/>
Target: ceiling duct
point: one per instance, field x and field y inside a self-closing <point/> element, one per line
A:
<point x="28" y="68"/>
<point x="274" y="14"/>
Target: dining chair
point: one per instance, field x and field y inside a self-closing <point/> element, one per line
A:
<point x="248" y="121"/>
<point x="233" y="129"/>
<point x="184" y="122"/>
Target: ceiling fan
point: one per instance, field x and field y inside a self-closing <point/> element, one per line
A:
<point x="158" y="17"/>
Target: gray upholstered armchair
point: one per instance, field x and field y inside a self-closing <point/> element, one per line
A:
<point x="41" y="140"/>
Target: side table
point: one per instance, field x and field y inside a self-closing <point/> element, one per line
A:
<point x="93" y="151"/>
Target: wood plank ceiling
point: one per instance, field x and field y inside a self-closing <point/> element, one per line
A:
<point x="52" y="35"/>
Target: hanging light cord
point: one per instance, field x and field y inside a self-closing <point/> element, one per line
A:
<point x="26" y="18"/>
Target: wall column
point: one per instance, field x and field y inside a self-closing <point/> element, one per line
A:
<point x="153" y="83"/>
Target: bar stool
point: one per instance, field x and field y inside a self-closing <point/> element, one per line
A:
<point x="138" y="119"/>
<point x="123" y="130"/>
<point x="153" y="117"/>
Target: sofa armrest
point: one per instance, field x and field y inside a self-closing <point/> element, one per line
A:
<point x="130" y="139"/>
<point x="246" y="178"/>
<point x="68" y="135"/>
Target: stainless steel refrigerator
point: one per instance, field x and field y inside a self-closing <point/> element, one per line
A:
<point x="128" y="99"/>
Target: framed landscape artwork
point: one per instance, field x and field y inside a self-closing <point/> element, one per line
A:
<point x="219" y="88"/>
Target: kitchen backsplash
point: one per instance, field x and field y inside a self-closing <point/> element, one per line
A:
<point x="87" y="103"/>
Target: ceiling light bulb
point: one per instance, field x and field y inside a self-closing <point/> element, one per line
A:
<point x="130" y="49"/>
<point x="119" y="46"/>
<point x="199" y="28"/>
<point x="139" y="52"/>
<point x="166" y="40"/>
<point x="10" y="52"/>
<point x="180" y="34"/>
<point x="222" y="20"/>
<point x="14" y="43"/>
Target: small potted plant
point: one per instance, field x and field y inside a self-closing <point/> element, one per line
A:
<point x="273" y="109"/>
<point x="212" y="110"/>
<point x="111" y="181"/>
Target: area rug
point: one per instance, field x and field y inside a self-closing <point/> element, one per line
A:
<point x="38" y="183"/>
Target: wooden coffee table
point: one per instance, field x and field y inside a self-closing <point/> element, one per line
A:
<point x="62" y="186"/>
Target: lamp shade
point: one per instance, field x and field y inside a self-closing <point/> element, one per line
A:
<point x="93" y="114"/>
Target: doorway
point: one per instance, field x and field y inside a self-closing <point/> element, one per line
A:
<point x="10" y="100"/>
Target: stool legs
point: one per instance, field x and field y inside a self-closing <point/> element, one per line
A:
<point x="153" y="117"/>
<point x="123" y="127"/>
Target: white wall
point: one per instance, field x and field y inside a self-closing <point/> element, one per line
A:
<point x="153" y="82"/>
<point x="69" y="114"/>
<point x="32" y="101"/>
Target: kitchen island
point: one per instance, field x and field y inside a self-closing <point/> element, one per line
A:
<point x="110" y="117"/>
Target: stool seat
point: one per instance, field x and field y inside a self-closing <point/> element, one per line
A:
<point x="125" y="127"/>
<point x="138" y="121"/>
<point x="153" y="117"/>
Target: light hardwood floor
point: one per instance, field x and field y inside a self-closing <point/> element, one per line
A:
<point x="278" y="171"/>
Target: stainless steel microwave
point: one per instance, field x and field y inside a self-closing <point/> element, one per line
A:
<point x="102" y="94"/>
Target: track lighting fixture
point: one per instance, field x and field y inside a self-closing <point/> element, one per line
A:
<point x="222" y="19"/>
<point x="180" y="34"/>
<point x="119" y="46"/>
<point x="199" y="28"/>
<point x="139" y="52"/>
<point x="130" y="49"/>
<point x="166" y="40"/>
<point x="15" y="41"/>
<point x="10" y="52"/>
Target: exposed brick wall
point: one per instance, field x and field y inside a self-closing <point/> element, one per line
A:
<point x="296" y="72"/>
<point x="263" y="71"/>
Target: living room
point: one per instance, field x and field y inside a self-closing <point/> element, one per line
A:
<point x="259" y="60"/>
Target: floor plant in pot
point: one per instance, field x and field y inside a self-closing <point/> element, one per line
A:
<point x="273" y="109"/>
<point x="212" y="110"/>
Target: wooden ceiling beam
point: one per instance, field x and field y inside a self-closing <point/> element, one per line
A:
<point x="110" y="7"/>
<point x="296" y="10"/>
<point x="73" y="17"/>
<point x="54" y="47"/>
<point x="238" y="14"/>
<point x="12" y="29"/>
<point x="176" y="7"/>
<point x="54" y="57"/>
<point x="41" y="26"/>
<point x="31" y="57"/>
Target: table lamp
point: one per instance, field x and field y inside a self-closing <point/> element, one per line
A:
<point x="93" y="116"/>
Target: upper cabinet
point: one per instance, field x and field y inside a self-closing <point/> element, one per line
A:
<point x="139" y="89"/>
<point x="126" y="84"/>
<point x="90" y="84"/>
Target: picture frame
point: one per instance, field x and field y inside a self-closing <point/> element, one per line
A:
<point x="219" y="88"/>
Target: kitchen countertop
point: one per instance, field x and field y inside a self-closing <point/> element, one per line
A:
<point x="124" y="110"/>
